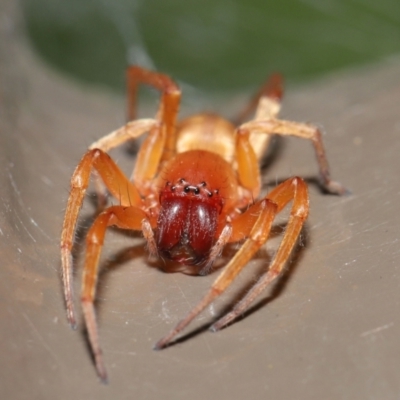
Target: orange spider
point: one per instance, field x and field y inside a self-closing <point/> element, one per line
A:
<point x="192" y="192"/>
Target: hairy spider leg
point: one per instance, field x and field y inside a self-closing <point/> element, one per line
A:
<point x="123" y="217"/>
<point x="293" y="189"/>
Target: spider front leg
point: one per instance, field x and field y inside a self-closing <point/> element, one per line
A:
<point x="119" y="186"/>
<point x="296" y="189"/>
<point x="123" y="217"/>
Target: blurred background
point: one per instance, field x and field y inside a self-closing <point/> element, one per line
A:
<point x="217" y="45"/>
<point x="331" y="329"/>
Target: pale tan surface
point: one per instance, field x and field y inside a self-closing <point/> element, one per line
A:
<point x="332" y="331"/>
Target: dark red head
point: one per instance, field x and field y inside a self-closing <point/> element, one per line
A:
<point x="187" y="222"/>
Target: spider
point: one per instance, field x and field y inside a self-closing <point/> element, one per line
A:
<point x="192" y="192"/>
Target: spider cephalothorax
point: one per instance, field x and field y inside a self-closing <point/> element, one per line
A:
<point x="190" y="208"/>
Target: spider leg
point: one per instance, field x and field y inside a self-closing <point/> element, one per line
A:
<point x="289" y="128"/>
<point x="167" y="112"/>
<point x="266" y="104"/>
<point x="131" y="130"/>
<point x="272" y="89"/>
<point x="159" y="144"/>
<point x="119" y="186"/>
<point x="261" y="217"/>
<point x="295" y="189"/>
<point x="122" y="217"/>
